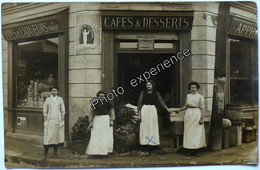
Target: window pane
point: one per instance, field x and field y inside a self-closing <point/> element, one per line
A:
<point x="255" y="92"/>
<point x="241" y="92"/>
<point x="37" y="71"/>
<point x="240" y="59"/>
<point x="255" y="61"/>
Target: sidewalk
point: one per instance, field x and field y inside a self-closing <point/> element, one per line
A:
<point x="29" y="154"/>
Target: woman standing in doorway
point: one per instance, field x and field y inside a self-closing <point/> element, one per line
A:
<point x="149" y="129"/>
<point x="101" y="124"/>
<point x="194" y="132"/>
<point x="53" y="112"/>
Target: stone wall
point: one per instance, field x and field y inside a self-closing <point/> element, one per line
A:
<point x="84" y="59"/>
<point x="203" y="40"/>
<point x="242" y="11"/>
<point x="5" y="80"/>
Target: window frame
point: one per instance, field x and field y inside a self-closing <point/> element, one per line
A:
<point x="62" y="68"/>
<point x="15" y="68"/>
<point x="228" y="68"/>
<point x="62" y="18"/>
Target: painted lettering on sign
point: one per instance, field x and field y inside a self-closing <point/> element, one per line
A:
<point x="246" y="30"/>
<point x="147" y="22"/>
<point x="243" y="28"/>
<point x="31" y="30"/>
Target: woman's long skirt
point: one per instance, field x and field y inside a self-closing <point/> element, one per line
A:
<point x="194" y="133"/>
<point x="149" y="129"/>
<point x="101" y="139"/>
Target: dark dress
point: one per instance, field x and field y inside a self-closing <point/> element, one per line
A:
<point x="154" y="98"/>
<point x="149" y="128"/>
<point x="101" y="140"/>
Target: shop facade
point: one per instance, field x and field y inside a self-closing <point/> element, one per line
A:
<point x="94" y="46"/>
<point x="242" y="79"/>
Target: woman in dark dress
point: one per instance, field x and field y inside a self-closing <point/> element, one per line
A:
<point x="101" y="124"/>
<point x="149" y="129"/>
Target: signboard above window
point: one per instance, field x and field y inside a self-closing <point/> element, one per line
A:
<point x="50" y="23"/>
<point x="145" y="44"/>
<point x="31" y="30"/>
<point x="147" y="21"/>
<point x="243" y="28"/>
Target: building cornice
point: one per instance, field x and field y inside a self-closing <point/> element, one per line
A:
<point x="162" y="6"/>
<point x="151" y="6"/>
<point x="247" y="6"/>
<point x="18" y="7"/>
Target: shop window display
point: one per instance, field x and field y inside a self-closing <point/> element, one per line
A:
<point x="243" y="72"/>
<point x="37" y="71"/>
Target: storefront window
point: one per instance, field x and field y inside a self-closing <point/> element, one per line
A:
<point x="37" y="71"/>
<point x="243" y="72"/>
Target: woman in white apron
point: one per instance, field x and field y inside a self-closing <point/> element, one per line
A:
<point x="149" y="99"/>
<point x="53" y="112"/>
<point x="101" y="124"/>
<point x="194" y="131"/>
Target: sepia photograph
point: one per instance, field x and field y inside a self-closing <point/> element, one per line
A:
<point x="129" y="84"/>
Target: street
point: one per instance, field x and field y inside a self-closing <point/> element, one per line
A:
<point x="25" y="154"/>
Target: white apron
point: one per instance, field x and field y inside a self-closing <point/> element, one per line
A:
<point x="101" y="139"/>
<point x="54" y="126"/>
<point x="194" y="133"/>
<point x="149" y="129"/>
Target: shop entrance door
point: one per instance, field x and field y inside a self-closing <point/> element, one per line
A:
<point x="133" y="54"/>
<point x="133" y="65"/>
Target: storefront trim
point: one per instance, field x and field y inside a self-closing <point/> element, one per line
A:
<point x="127" y="20"/>
<point x="25" y="109"/>
<point x="49" y="24"/>
<point x="109" y="63"/>
<point x="156" y="6"/>
<point x="242" y="28"/>
<point x="147" y="35"/>
<point x="245" y="6"/>
<point x="61" y="32"/>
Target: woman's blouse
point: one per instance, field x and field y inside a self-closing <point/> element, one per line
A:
<point x="102" y="109"/>
<point x="153" y="98"/>
<point x="195" y="101"/>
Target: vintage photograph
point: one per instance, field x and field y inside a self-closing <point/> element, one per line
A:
<point x="129" y="84"/>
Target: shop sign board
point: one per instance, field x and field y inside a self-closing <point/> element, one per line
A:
<point x="145" y="44"/>
<point x="31" y="30"/>
<point x="243" y="28"/>
<point x="147" y="22"/>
